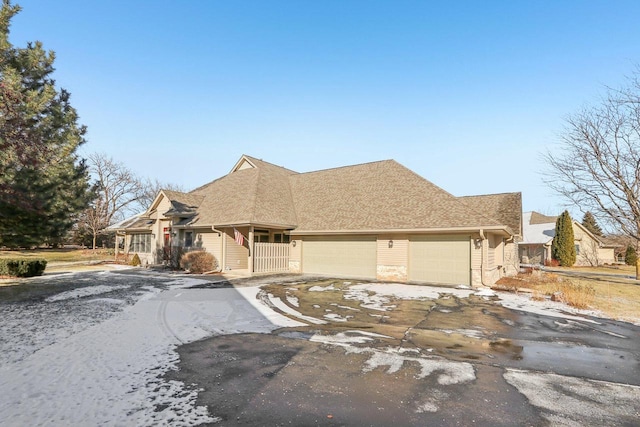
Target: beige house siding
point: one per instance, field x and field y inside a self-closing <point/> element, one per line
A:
<point x="590" y="252"/>
<point x="606" y="255"/>
<point x="211" y="242"/>
<point x="295" y="256"/>
<point x="495" y="259"/>
<point x="392" y="261"/>
<point x="164" y="205"/>
<point x="236" y="255"/>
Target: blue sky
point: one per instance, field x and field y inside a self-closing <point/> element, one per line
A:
<point x="467" y="94"/>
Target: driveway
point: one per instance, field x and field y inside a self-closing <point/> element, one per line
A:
<point x="144" y="348"/>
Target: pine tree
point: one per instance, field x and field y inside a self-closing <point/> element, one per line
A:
<point x="563" y="246"/>
<point x="630" y="256"/>
<point x="43" y="182"/>
<point x="589" y="222"/>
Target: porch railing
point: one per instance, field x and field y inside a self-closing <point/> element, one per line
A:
<point x="271" y="258"/>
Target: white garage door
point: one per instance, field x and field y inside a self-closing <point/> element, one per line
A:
<point x="338" y="256"/>
<point x="440" y="259"/>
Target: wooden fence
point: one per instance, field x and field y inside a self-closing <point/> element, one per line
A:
<point x="271" y="258"/>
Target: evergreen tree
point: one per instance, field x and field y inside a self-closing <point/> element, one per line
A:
<point x="43" y="182"/>
<point x="563" y="246"/>
<point x="589" y="222"/>
<point x="630" y="256"/>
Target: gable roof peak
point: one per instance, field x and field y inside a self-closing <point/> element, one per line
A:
<point x="249" y="162"/>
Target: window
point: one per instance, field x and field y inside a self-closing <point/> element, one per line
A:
<point x="577" y="249"/>
<point x="188" y="239"/>
<point x="140" y="243"/>
<point x="281" y="238"/>
<point x="261" y="238"/>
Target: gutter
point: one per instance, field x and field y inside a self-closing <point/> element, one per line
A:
<point x="482" y="254"/>
<point x="456" y="230"/>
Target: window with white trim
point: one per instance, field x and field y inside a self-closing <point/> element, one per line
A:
<point x="140" y="243"/>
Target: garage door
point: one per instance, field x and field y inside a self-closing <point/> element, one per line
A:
<point x="440" y="259"/>
<point x="337" y="256"/>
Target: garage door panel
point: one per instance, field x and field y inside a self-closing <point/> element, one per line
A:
<point x="355" y="257"/>
<point x="445" y="259"/>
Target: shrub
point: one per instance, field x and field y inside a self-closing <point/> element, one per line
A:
<point x="198" y="262"/>
<point x="170" y="256"/>
<point x="630" y="256"/>
<point x="123" y="258"/>
<point x="563" y="245"/>
<point x="551" y="263"/>
<point x="22" y="267"/>
<point x="575" y="294"/>
<point x="135" y="261"/>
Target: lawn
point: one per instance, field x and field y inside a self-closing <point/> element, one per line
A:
<point x="627" y="270"/>
<point x="617" y="298"/>
<point x="61" y="255"/>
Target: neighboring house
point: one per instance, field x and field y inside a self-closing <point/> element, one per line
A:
<point x="538" y="233"/>
<point x="376" y="220"/>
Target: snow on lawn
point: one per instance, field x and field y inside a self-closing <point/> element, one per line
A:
<point x="111" y="373"/>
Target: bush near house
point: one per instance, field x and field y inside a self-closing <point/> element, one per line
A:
<point x="22" y="267"/>
<point x="198" y="262"/>
<point x="135" y="261"/>
<point x="630" y="256"/>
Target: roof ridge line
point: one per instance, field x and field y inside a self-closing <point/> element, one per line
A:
<point x="348" y="166"/>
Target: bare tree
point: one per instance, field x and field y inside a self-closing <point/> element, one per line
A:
<point x="149" y="190"/>
<point x="597" y="164"/>
<point x="118" y="191"/>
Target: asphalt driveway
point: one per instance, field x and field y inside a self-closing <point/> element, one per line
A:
<point x="144" y="348"/>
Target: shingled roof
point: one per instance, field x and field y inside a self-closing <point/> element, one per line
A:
<point x="537" y="218"/>
<point x="505" y="207"/>
<point x="182" y="203"/>
<point x="256" y="195"/>
<point x="376" y="196"/>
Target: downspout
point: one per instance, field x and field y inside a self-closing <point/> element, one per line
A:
<point x="222" y="260"/>
<point x="482" y="239"/>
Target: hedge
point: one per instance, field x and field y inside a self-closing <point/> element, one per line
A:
<point x="17" y="267"/>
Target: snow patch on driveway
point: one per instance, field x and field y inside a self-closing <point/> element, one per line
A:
<point x="85" y="292"/>
<point x="570" y="401"/>
<point x="377" y="296"/>
<point x="395" y="358"/>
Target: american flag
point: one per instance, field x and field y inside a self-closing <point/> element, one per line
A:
<point x="238" y="237"/>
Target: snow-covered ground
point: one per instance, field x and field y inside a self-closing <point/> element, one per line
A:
<point x="94" y="352"/>
<point x="85" y="370"/>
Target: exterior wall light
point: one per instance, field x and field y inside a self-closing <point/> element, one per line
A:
<point x="293" y="243"/>
<point x="390" y="244"/>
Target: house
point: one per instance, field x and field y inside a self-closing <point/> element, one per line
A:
<point x="376" y="220"/>
<point x="538" y="233"/>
